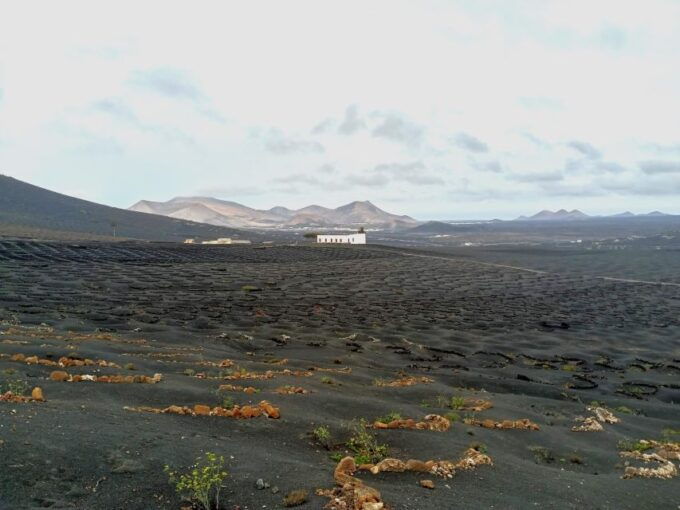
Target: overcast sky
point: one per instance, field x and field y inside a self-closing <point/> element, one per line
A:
<point x="437" y="109"/>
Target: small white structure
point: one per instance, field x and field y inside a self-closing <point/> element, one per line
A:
<point x="358" y="238"/>
<point x="227" y="240"/>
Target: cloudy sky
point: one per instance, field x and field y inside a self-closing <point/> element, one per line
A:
<point x="437" y="109"/>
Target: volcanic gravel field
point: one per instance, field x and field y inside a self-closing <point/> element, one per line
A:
<point x="364" y="331"/>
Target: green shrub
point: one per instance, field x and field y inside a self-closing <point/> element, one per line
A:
<point x="364" y="444"/>
<point x="391" y="416"/>
<point x="453" y="417"/>
<point x="203" y="481"/>
<point x="322" y="435"/>
<point x="457" y="403"/>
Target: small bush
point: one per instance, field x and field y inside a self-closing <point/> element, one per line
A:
<point x="457" y="403"/>
<point x="203" y="482"/>
<point x="228" y="402"/>
<point x="295" y="498"/>
<point x="453" y="417"/>
<point x="327" y="380"/>
<point x="250" y="288"/>
<point x="322" y="435"/>
<point x="575" y="459"/>
<point x="189" y="372"/>
<point x="542" y="455"/>
<point x="391" y="416"/>
<point x="364" y="444"/>
<point x="336" y="457"/>
<point x="130" y="366"/>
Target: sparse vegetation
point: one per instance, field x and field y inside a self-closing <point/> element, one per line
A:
<point x="452" y="416"/>
<point x="130" y="366"/>
<point x="624" y="410"/>
<point x="576" y="459"/>
<point x="323" y="436"/>
<point x="364" y="444"/>
<point x="457" y="403"/>
<point x="203" y="481"/>
<point x="668" y="433"/>
<point x="16" y="386"/>
<point x="634" y="446"/>
<point x="480" y="447"/>
<point x="391" y="416"/>
<point x="228" y="402"/>
<point x="190" y="372"/>
<point x="542" y="455"/>
<point x="250" y="288"/>
<point x="295" y="498"/>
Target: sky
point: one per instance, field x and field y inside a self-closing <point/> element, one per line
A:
<point x="459" y="109"/>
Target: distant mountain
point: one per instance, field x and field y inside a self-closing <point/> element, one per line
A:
<point x="35" y="209"/>
<point x="561" y="215"/>
<point x="224" y="213"/>
<point x="564" y="215"/>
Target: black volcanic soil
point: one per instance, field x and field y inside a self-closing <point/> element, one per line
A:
<point x="540" y="346"/>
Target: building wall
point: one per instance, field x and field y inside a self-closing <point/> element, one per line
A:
<point x="342" y="239"/>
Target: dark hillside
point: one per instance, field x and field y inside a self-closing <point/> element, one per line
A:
<point x="23" y="205"/>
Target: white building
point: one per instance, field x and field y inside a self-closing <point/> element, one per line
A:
<point x="227" y="240"/>
<point x="359" y="238"/>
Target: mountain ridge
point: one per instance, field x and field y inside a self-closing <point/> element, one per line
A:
<point x="233" y="214"/>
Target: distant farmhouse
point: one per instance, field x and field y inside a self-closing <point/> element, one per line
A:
<point x="358" y="238"/>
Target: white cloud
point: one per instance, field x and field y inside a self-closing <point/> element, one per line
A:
<point x="537" y="97"/>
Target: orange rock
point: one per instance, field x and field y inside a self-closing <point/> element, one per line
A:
<point x="270" y="410"/>
<point x="174" y="410"/>
<point x="417" y="466"/>
<point x="428" y="484"/>
<point x="59" y="375"/>
<point x="247" y="412"/>
<point x="344" y="470"/>
<point x="37" y="394"/>
<point x="201" y="410"/>
<point x="18" y="357"/>
<point x="31" y="360"/>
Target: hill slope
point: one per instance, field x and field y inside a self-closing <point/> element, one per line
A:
<point x="23" y="205"/>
